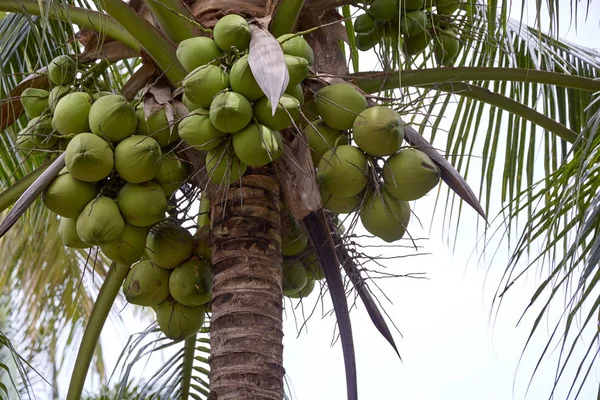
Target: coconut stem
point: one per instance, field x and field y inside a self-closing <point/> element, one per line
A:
<point x="285" y="17"/>
<point x="106" y="297"/>
<point x="188" y="364"/>
<point x="10" y="195"/>
<point x="175" y="19"/>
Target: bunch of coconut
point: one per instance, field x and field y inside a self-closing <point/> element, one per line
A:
<point x="230" y="117"/>
<point x="420" y="24"/>
<point x="374" y="176"/>
<point x="174" y="278"/>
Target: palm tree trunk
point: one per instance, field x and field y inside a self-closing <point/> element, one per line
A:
<point x="246" y="328"/>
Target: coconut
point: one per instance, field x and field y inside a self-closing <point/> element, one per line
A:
<point x="190" y="283"/>
<point x="177" y="321"/>
<point x="447" y="7"/>
<point x="197" y="131"/>
<point x="191" y="106"/>
<point x="287" y="110"/>
<point x="368" y="41"/>
<point x="364" y="24"/>
<point x="410" y="174"/>
<point x="383" y="10"/>
<point x="314" y="270"/>
<point x="204" y="83"/>
<point x="223" y="166"/>
<point x="293" y="238"/>
<point x="385" y="216"/>
<point x="146" y="284"/>
<point x="342" y="171"/>
<point x="256" y="145"/>
<point x="129" y="247"/>
<point x="197" y="51"/>
<point x="293" y="278"/>
<point x="297" y="92"/>
<point x="157" y="126"/>
<point x="411" y="5"/>
<point x="34" y="101"/>
<point x="142" y="204"/>
<point x="378" y="131"/>
<point x="97" y="95"/>
<point x="230" y="112"/>
<point x="445" y="47"/>
<point x="71" y="114"/>
<point x="100" y="222"/>
<point x="202" y="243"/>
<point x="242" y="81"/>
<point x="305" y="291"/>
<point x="413" y="23"/>
<point x="169" y="244"/>
<point x="415" y="45"/>
<point x="295" y="45"/>
<point x="173" y="172"/>
<point x="67" y="231"/>
<point x="340" y="205"/>
<point x="56" y="94"/>
<point x="322" y="138"/>
<point x="68" y="196"/>
<point x="40" y="132"/>
<point x="113" y="117"/>
<point x="297" y="69"/>
<point x="137" y="158"/>
<point x="26" y="146"/>
<point x="62" y="70"/>
<point x="232" y="31"/>
<point x="89" y="158"/>
<point x="339" y="104"/>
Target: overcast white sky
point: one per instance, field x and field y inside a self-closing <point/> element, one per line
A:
<point x="453" y="348"/>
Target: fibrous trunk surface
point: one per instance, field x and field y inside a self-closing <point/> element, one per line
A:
<point x="246" y="328"/>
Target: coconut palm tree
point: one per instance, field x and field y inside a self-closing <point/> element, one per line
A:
<point x="536" y="90"/>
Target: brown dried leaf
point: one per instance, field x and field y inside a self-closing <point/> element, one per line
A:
<point x="11" y="107"/>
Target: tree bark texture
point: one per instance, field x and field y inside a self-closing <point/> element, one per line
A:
<point x="246" y="328"/>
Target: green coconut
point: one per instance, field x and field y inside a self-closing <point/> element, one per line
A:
<point x="410" y="174"/>
<point x="146" y="284"/>
<point x="340" y="205"/>
<point x="447" y="7"/>
<point x="62" y="70"/>
<point x="230" y="112"/>
<point x="242" y="81"/>
<point x="89" y="158"/>
<point x="309" y="110"/>
<point x="410" y="5"/>
<point x="293" y="278"/>
<point x="415" y="45"/>
<point x="100" y="222"/>
<point x="378" y="131"/>
<point x="71" y="114"/>
<point x="295" y="45"/>
<point x="39" y="129"/>
<point x="34" y="101"/>
<point x="197" y="51"/>
<point x="113" y="117"/>
<point x="445" y="47"/>
<point x="103" y="93"/>
<point x="173" y="172"/>
<point x="297" y="69"/>
<point x="157" y="126"/>
<point x="55" y="94"/>
<point x="142" y="204"/>
<point x="129" y="247"/>
<point x="342" y="171"/>
<point x="202" y="243"/>
<point x="297" y="92"/>
<point x="413" y="23"/>
<point x="169" y="244"/>
<point x="385" y="216"/>
<point x="137" y="158"/>
<point x="364" y="24"/>
<point x="26" y="146"/>
<point x="322" y="138"/>
<point x="204" y="83"/>
<point x="339" y="104"/>
<point x="287" y="110"/>
<point x="67" y="231"/>
<point x="177" y="321"/>
<point x="191" y="106"/>
<point x="314" y="270"/>
<point x="257" y="145"/>
<point x="190" y="283"/>
<point x="383" y="10"/>
<point x="197" y="131"/>
<point x="368" y="41"/>
<point x="293" y="239"/>
<point x="223" y="166"/>
<point x="68" y="196"/>
<point x="232" y="31"/>
<point x="305" y="291"/>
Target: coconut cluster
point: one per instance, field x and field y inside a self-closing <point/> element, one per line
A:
<point x="231" y="119"/>
<point x="421" y="24"/>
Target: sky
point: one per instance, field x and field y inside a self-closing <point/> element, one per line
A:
<point x="454" y="346"/>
